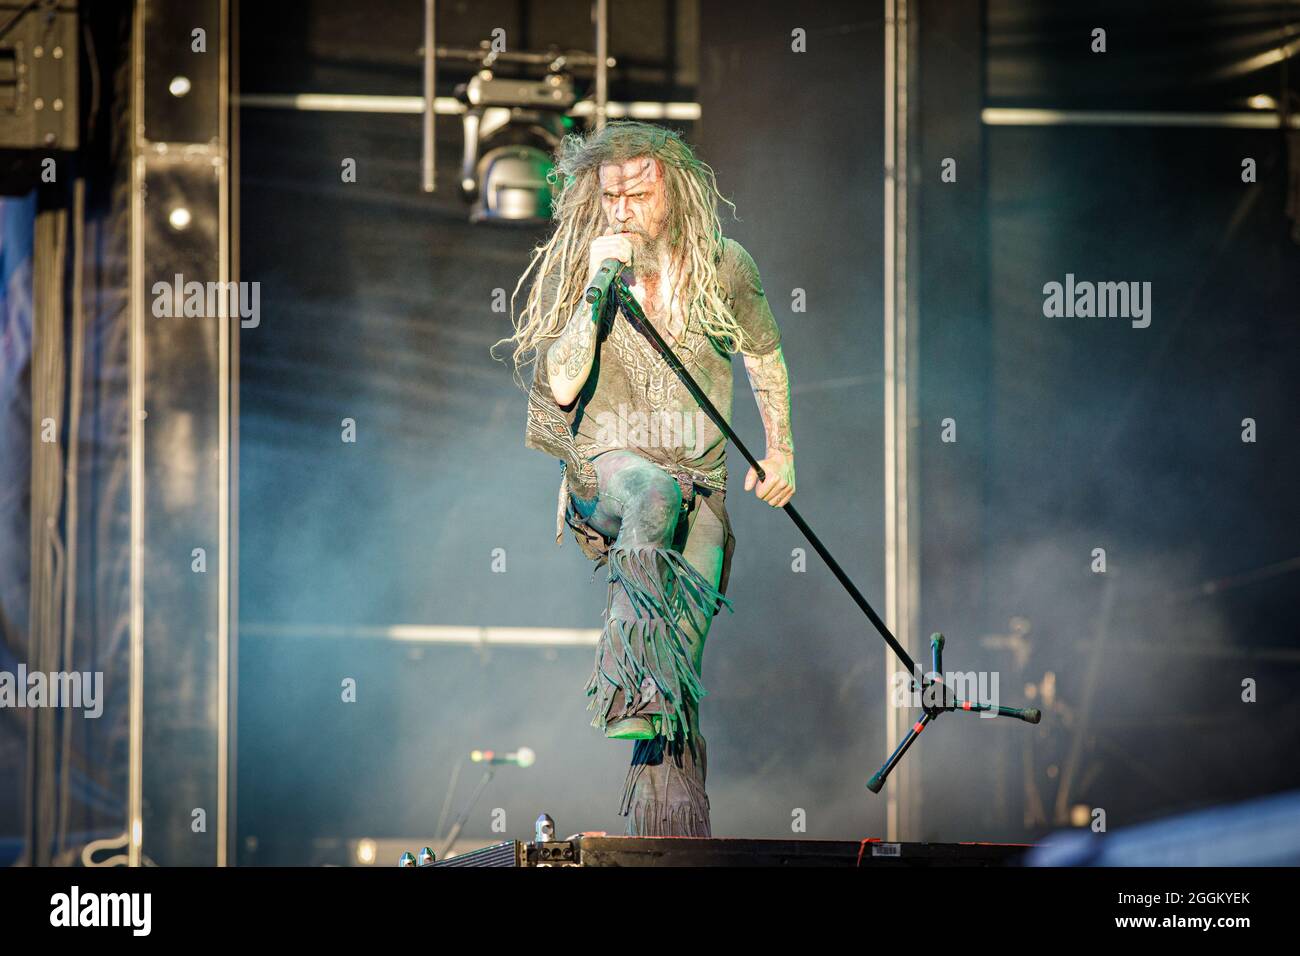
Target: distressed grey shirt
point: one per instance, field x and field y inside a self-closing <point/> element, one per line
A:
<point x="632" y="399"/>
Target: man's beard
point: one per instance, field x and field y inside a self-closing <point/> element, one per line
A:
<point x="648" y="253"/>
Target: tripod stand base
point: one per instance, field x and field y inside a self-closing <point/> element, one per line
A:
<point x="947" y="701"/>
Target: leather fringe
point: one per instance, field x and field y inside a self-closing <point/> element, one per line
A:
<point x="655" y="644"/>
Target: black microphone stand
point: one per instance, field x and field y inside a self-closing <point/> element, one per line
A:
<point x="488" y="773"/>
<point x="948" y="700"/>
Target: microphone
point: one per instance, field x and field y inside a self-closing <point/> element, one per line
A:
<point x="523" y="757"/>
<point x="602" y="280"/>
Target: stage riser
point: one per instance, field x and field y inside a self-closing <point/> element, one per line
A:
<point x="686" y="851"/>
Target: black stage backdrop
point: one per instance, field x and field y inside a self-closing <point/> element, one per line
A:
<point x="1072" y="434"/>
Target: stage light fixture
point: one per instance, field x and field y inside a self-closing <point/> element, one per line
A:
<point x="511" y="128"/>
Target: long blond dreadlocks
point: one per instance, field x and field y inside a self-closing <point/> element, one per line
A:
<point x="693" y="232"/>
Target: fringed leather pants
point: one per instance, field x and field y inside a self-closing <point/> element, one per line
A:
<point x="665" y="566"/>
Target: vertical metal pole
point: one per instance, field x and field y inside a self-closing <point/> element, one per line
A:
<point x="231" y="466"/>
<point x="911" y="555"/>
<point x="136" y="351"/>
<point x="428" y="156"/>
<point x="224" y="334"/>
<point x="902" y="813"/>
<point x="143" y="151"/>
<point x="602" y="61"/>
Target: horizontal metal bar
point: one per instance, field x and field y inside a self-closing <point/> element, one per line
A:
<point x="1009" y="116"/>
<point x="1176" y="649"/>
<point x="435" y="634"/>
<point x="347" y="103"/>
<point x="446" y="105"/>
<point x="641" y="109"/>
<point x="570" y="57"/>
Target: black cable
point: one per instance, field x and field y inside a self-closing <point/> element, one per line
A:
<point x="92" y="117"/>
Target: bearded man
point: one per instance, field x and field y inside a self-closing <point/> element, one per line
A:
<point x="644" y="474"/>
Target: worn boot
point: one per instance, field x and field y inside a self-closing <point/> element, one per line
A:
<point x="664" y="793"/>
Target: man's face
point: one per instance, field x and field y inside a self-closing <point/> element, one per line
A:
<point x="635" y="201"/>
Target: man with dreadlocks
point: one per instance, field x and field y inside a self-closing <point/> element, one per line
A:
<point x="644" y="473"/>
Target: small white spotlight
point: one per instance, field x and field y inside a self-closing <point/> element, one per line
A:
<point x="179" y="86"/>
<point x="525" y="757"/>
<point x="179" y="218"/>
<point x="1262" y="101"/>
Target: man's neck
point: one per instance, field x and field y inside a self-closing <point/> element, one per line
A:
<point x="654" y="290"/>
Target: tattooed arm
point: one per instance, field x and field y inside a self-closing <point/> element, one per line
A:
<point x="569" y="359"/>
<point x="770" y="381"/>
